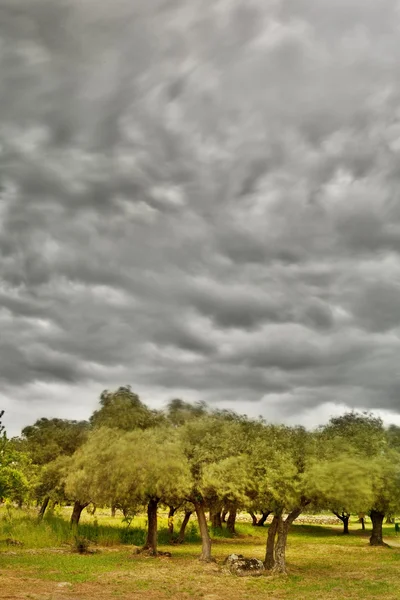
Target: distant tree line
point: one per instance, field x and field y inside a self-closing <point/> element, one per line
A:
<point x="213" y="463"/>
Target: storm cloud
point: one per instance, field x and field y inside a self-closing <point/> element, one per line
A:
<point x="200" y="198"/>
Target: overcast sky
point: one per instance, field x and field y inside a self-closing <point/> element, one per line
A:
<point x="200" y="198"/>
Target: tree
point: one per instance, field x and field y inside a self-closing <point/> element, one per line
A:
<point x="385" y="472"/>
<point x="129" y="469"/>
<point x="211" y="445"/>
<point x="365" y="435"/>
<point x="123" y="409"/>
<point x="48" y="442"/>
<point x="47" y="439"/>
<point x="331" y="487"/>
<point x="14" y="484"/>
<point x="178" y="411"/>
<point x="281" y="457"/>
<point x="91" y="474"/>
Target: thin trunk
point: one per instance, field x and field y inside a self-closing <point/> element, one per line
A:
<point x="344" y="517"/>
<point x="376" y="538"/>
<point x="346" y="525"/>
<point x="230" y="524"/>
<point x="76" y="513"/>
<point x="281" y="542"/>
<point x="42" y="510"/>
<point x="253" y="518"/>
<point x="269" y="554"/>
<point x="171" y="512"/>
<point x="362" y="521"/>
<point x="181" y="535"/>
<point x="389" y="520"/>
<point x="205" y="537"/>
<point x="216" y="521"/>
<point x="113" y="510"/>
<point x="151" y="539"/>
<point x="264" y="517"/>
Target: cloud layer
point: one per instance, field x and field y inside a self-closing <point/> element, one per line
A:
<point x="200" y="199"/>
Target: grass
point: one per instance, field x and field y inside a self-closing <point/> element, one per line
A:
<point x="323" y="564"/>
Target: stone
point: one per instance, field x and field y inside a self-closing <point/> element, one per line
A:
<point x="238" y="565"/>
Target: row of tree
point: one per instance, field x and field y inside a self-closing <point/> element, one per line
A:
<point x="193" y="459"/>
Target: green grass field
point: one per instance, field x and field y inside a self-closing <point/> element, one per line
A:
<point x="322" y="563"/>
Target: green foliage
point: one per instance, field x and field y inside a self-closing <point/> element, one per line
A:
<point x="14" y="465"/>
<point x="363" y="430"/>
<point x="363" y="438"/>
<point x="342" y="483"/>
<point x="178" y="411"/>
<point x="124" y="410"/>
<point x="127" y="469"/>
<point x="47" y="439"/>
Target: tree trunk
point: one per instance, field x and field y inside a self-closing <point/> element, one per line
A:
<point x="362" y="521"/>
<point x="223" y="515"/>
<point x="113" y="510"/>
<point x="376" y="538"/>
<point x="216" y="521"/>
<point x="269" y="554"/>
<point x="181" y="535"/>
<point x="389" y="520"/>
<point x="280" y="547"/>
<point x="151" y="539"/>
<point x="42" y="510"/>
<point x="230" y="524"/>
<point x="346" y="525"/>
<point x="205" y="537"/>
<point x="76" y="513"/>
<point x="264" y="517"/>
<point x="171" y="512"/>
<point x="253" y="518"/>
<point x="281" y="542"/>
<point x="344" y="517"/>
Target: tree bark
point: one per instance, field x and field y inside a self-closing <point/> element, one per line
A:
<point x="181" y="535"/>
<point x="216" y="521"/>
<point x="280" y="547"/>
<point x="269" y="553"/>
<point x="151" y="538"/>
<point x="376" y="538"/>
<point x="76" y="513"/>
<point x="42" y="510"/>
<point x="230" y="524"/>
<point x="253" y="518"/>
<point x="264" y="517"/>
<point x="344" y="517"/>
<point x="205" y="537"/>
<point x="281" y="542"/>
<point x="171" y="512"/>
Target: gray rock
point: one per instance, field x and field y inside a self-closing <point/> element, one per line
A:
<point x="238" y="565"/>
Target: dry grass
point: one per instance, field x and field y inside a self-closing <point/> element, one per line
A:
<point x="322" y="565"/>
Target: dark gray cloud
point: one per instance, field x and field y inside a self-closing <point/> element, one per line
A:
<point x="200" y="199"/>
